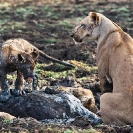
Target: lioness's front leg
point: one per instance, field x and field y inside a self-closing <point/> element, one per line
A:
<point x="5" y="92"/>
<point x="19" y="85"/>
<point x="105" y="86"/>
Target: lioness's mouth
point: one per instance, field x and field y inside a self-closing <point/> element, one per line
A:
<point x="88" y="35"/>
<point x="78" y="40"/>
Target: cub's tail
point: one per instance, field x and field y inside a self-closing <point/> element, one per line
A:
<point x="54" y="59"/>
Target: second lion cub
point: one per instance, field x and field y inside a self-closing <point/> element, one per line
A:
<point x="84" y="95"/>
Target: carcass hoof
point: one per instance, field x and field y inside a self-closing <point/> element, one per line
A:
<point x="17" y="92"/>
<point x="28" y="87"/>
<point x="5" y="96"/>
<point x="35" y="82"/>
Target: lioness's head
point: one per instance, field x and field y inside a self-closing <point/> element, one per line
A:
<point x="88" y="27"/>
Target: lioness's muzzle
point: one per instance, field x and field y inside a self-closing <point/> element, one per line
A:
<point x="76" y="37"/>
<point x="71" y="35"/>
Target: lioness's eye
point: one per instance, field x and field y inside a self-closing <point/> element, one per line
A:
<point x="83" y="26"/>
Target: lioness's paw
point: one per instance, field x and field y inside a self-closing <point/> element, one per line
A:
<point x="5" y="96"/>
<point x="17" y="92"/>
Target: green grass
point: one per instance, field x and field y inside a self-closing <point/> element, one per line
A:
<point x="52" y="40"/>
<point x="7" y="121"/>
<point x="65" y="24"/>
<point x="64" y="129"/>
<point x="56" y="71"/>
<point x="25" y="11"/>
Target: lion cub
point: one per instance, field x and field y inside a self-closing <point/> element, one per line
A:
<point x="84" y="95"/>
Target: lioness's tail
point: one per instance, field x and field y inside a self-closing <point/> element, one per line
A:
<point x="55" y="60"/>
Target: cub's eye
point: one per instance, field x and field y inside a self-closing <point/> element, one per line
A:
<point x="83" y="26"/>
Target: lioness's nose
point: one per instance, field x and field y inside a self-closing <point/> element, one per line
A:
<point x="71" y="35"/>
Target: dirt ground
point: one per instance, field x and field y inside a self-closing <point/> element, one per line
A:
<point x="47" y="24"/>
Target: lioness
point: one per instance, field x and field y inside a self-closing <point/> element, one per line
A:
<point x="115" y="66"/>
<point x="19" y="55"/>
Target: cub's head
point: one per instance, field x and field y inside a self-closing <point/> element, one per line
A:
<point x="24" y="63"/>
<point x="88" y="27"/>
<point x="90" y="105"/>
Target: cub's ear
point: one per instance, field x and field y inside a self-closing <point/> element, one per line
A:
<point x="94" y="17"/>
<point x="21" y="58"/>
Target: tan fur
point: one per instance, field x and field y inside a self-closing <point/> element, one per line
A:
<point x="13" y="47"/>
<point x="6" y="116"/>
<point x="84" y="95"/>
<point x="115" y="66"/>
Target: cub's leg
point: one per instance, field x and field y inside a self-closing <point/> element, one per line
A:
<point x="116" y="107"/>
<point x="19" y="85"/>
<point x="5" y="92"/>
<point x="105" y="85"/>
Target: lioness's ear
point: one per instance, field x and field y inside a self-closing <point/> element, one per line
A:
<point x="94" y="17"/>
